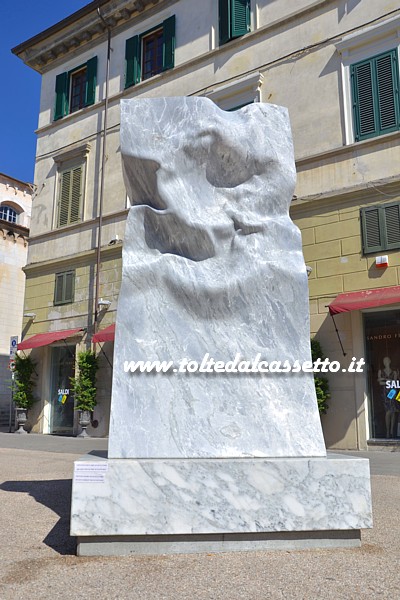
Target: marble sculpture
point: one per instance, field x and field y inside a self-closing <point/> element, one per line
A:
<point x="212" y="264"/>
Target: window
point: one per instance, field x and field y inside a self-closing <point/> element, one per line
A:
<point x="234" y="19"/>
<point x="381" y="227"/>
<point x="375" y="95"/>
<point x="78" y="90"/>
<point x="64" y="288"/>
<point x="150" y="53"/>
<point x="69" y="206"/>
<point x="8" y="214"/>
<point x="75" y="89"/>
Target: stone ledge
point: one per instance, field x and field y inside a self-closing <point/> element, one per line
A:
<point x="386" y="445"/>
<point x="194" y="544"/>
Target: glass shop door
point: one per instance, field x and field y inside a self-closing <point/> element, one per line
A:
<point x="62" y="399"/>
<point x="382" y="343"/>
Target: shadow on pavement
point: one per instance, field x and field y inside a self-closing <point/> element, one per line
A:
<point x="100" y="453"/>
<point x="56" y="495"/>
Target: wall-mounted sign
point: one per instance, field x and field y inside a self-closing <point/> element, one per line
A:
<point x="13" y="346"/>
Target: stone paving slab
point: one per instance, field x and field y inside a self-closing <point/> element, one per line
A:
<point x="37" y="555"/>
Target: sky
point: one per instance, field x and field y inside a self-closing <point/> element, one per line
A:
<point x="20" y="87"/>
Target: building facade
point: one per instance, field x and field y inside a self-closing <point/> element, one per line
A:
<point x="333" y="63"/>
<point x="15" y="213"/>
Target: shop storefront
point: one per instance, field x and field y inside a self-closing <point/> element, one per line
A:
<point x="62" y="399"/>
<point x="382" y="344"/>
<point x="367" y="324"/>
<point x="55" y="354"/>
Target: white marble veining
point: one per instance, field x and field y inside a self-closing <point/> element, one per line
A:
<point x="212" y="263"/>
<point x="205" y="496"/>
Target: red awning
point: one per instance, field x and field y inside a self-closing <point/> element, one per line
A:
<point x="44" y="339"/>
<point x="365" y="299"/>
<point x="105" y="335"/>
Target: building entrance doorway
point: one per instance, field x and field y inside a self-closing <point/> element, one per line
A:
<point x="62" y="399"/>
<point x="382" y="342"/>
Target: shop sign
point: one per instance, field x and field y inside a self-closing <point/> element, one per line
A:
<point x="394" y="387"/>
<point x="63" y="395"/>
<point x="383" y="336"/>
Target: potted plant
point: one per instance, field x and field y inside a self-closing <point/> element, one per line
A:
<point x="321" y="383"/>
<point x="23" y="389"/>
<point x="84" y="388"/>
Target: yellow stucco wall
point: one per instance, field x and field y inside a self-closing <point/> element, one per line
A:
<point x="39" y="298"/>
<point x="332" y="246"/>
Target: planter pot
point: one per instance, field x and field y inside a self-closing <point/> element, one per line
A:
<point x="85" y="417"/>
<point x="21" y="416"/>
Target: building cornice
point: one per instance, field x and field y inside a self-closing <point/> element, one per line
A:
<point x="79" y="227"/>
<point x="75" y="260"/>
<point x="83" y="28"/>
<point x="360" y="193"/>
<point x="25" y="184"/>
<point x="348" y="149"/>
<point x="74" y="151"/>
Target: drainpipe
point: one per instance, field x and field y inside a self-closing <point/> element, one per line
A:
<point x="103" y="162"/>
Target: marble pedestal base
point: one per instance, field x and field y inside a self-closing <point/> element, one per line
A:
<point x="124" y="506"/>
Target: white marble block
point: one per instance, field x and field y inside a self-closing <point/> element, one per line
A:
<point x="212" y="264"/>
<point x="208" y="505"/>
<point x="200" y="496"/>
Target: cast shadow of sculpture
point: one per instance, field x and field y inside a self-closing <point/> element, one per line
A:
<point x="55" y="494"/>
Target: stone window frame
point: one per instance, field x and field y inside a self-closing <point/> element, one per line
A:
<point x="236" y="94"/>
<point x="360" y="46"/>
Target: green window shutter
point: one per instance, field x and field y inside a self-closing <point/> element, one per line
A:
<point x="70" y="196"/>
<point x="240" y="21"/>
<point x="64" y="288"/>
<point x="387" y="79"/>
<point x="69" y="282"/>
<point x="224" y="16"/>
<point x="392" y="225"/>
<point x="132" y="61"/>
<point x="76" y="195"/>
<point x="363" y="100"/>
<point x="63" y="201"/>
<point x="169" y="43"/>
<point x="372" y="233"/>
<point x="91" y="76"/>
<point x="58" y="289"/>
<point x="61" y="104"/>
<point x="375" y="95"/>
